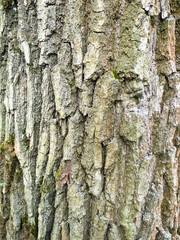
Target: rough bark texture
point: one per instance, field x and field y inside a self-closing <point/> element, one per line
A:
<point x="89" y="119"/>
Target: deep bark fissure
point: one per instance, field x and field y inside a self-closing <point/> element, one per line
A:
<point x="104" y="152"/>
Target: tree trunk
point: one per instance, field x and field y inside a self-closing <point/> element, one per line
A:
<point x="89" y="119"/>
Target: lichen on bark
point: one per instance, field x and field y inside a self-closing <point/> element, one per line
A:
<point x="89" y="111"/>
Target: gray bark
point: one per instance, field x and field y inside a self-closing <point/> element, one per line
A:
<point x="89" y="112"/>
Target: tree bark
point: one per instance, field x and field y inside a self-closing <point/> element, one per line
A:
<point x="89" y="112"/>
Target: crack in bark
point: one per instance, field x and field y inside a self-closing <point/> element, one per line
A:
<point x="104" y="152"/>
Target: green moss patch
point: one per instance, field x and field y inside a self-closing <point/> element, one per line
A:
<point x="6" y="3"/>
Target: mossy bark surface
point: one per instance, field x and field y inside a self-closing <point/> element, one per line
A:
<point x="89" y="119"/>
